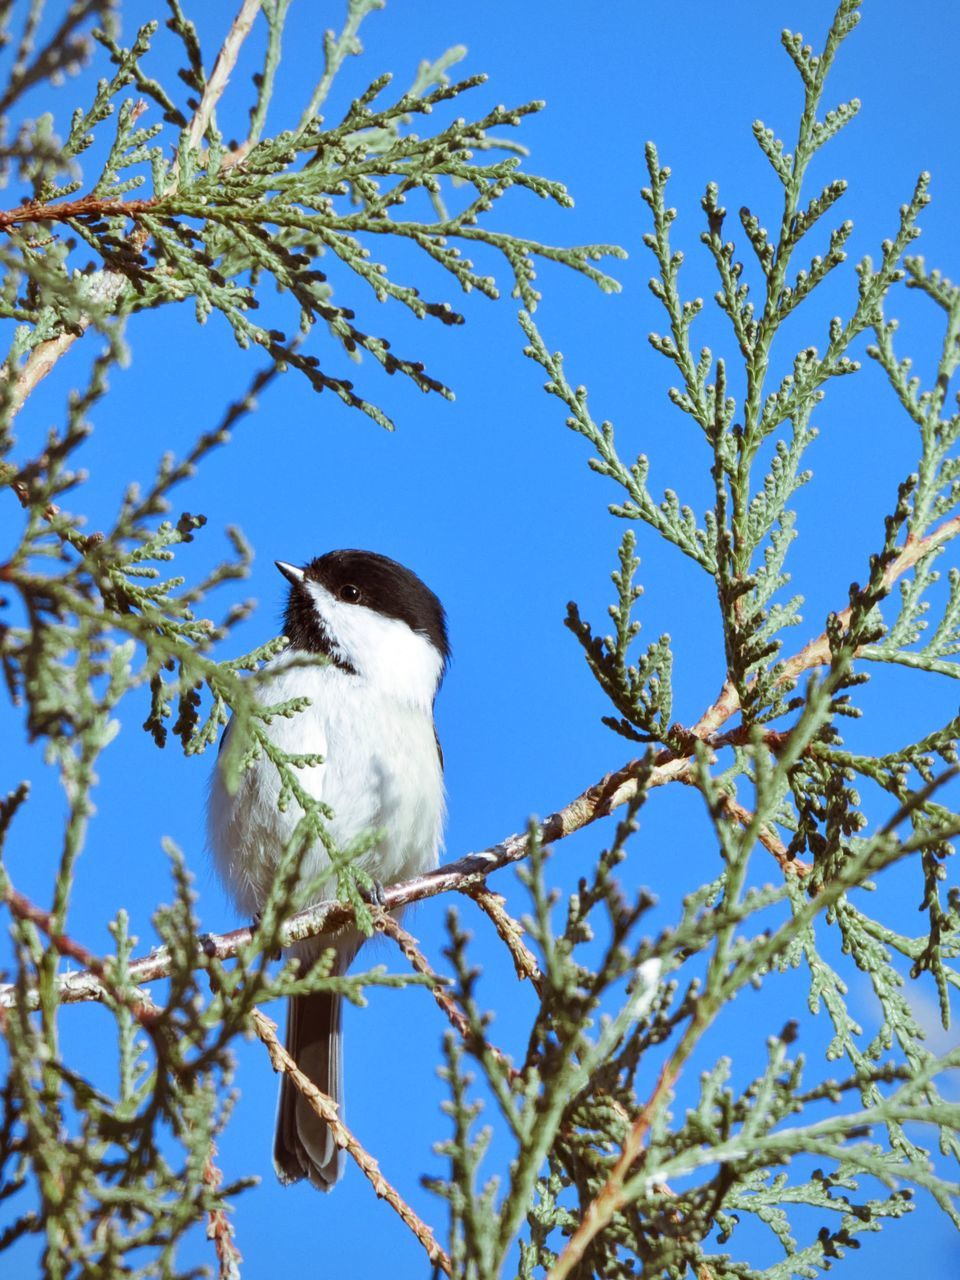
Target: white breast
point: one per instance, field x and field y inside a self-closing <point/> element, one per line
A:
<point x="381" y="770"/>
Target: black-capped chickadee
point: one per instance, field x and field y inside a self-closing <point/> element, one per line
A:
<point x="383" y="635"/>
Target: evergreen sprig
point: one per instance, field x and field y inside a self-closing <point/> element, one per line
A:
<point x="641" y="693"/>
<point x="217" y="214"/>
<point x="135" y="201"/>
<point x="633" y="1144"/>
<point x="791" y="785"/>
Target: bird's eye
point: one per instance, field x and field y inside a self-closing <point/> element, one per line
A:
<point x="349" y="593"/>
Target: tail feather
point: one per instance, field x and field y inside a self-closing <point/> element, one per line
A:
<point x="304" y="1145"/>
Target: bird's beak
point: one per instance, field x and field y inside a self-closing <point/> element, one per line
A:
<point x="289" y="571"/>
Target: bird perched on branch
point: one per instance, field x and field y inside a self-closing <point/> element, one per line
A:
<point x="381" y="641"/>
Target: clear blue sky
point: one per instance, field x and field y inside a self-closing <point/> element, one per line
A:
<point x="489" y="499"/>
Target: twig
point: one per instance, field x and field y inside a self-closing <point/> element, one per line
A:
<point x="469" y="872"/>
<point x="222" y="69"/>
<point x="96" y="971"/>
<point x="39" y="363"/>
<point x="510" y="930"/>
<point x="817" y="652"/>
<point x="766" y="835"/>
<point x="88" y="206"/>
<point x="326" y="1109"/>
<point x="386" y="924"/>
<point x="612" y="1197"/>
<point x="219" y="1226"/>
<point x="595" y="802"/>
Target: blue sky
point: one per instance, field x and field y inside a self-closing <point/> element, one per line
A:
<point x="489" y="499"/>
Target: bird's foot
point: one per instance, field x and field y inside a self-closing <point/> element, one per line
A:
<point x="374" y="894"/>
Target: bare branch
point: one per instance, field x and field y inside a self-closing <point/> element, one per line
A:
<point x="386" y="924"/>
<point x="817" y="652"/>
<point x="326" y="1109"/>
<point x="467" y="875"/>
<point x="88" y="206"/>
<point x="39" y="363"/>
<point x="222" y="69"/>
<point x="219" y="1226"/>
<point x="511" y="932"/>
<point x="96" y="976"/>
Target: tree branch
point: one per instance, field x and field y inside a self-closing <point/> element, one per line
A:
<point x="44" y="357"/>
<point x="407" y="943"/>
<point x="511" y="932"/>
<point x="39" y="363"/>
<point x="612" y="1197"/>
<point x="89" y="206"/>
<point x="222" y="69"/>
<point x="219" y="1226"/>
<point x="465" y="873"/>
<point x="96" y="971"/>
<point x="326" y="1109"/>
<point x="817" y="652"/>
<point x="468" y="874"/>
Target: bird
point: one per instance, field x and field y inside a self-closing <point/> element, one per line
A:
<point x="379" y="635"/>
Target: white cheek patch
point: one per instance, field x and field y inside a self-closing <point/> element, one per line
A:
<point x="328" y="609"/>
<point x="384" y="651"/>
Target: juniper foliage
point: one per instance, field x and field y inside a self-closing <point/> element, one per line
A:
<point x="135" y="202"/>
<point x="781" y="782"/>
<point x="141" y="201"/>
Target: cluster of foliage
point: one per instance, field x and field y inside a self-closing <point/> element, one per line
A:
<point x="135" y="202"/>
<point x="604" y="1180"/>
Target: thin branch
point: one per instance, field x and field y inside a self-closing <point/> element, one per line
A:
<point x="88" y="206"/>
<point x="50" y="60"/>
<point x="510" y="931"/>
<point x="817" y="652"/>
<point x="594" y="803"/>
<point x="96" y="971"/>
<point x="39" y="363"/>
<point x="469" y="873"/>
<point x="387" y="925"/>
<point x="326" y="1109"/>
<point x="219" y="1226"/>
<point x="766" y="835"/>
<point x="612" y="1196"/>
<point x="222" y="69"/>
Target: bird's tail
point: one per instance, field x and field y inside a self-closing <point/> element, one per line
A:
<point x="304" y="1145"/>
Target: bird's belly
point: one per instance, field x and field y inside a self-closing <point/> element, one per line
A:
<point x="381" y="771"/>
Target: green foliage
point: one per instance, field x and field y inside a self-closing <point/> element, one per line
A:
<point x="790" y="784"/>
<point x="219" y="219"/>
<point x="120" y="213"/>
<point x="135" y="202"/>
<point x="640" y="693"/>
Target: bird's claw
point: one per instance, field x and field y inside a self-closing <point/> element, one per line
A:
<point x="374" y="894"/>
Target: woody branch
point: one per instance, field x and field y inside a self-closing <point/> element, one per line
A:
<point x="43" y="358"/>
<point x="468" y="873"/>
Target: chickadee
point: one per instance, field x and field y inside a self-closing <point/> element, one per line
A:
<point x="383" y="635"/>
